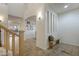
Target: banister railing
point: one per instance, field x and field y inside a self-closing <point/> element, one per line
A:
<point x="5" y="28"/>
<point x="7" y="33"/>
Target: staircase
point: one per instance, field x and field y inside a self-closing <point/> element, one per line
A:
<point x="5" y="50"/>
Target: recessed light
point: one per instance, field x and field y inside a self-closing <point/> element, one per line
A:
<point x="66" y="6"/>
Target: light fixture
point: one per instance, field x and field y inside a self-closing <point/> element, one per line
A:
<point x="39" y="16"/>
<point x="1" y="18"/>
<point x="66" y="6"/>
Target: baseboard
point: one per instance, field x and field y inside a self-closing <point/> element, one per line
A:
<point x="70" y="44"/>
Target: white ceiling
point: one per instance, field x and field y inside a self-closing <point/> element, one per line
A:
<point x="32" y="9"/>
<point x="59" y="7"/>
<point x="18" y="9"/>
<point x="21" y="9"/>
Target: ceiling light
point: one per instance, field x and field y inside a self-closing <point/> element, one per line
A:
<point x="66" y="6"/>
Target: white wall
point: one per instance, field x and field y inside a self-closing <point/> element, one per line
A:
<point x="41" y="28"/>
<point x="52" y="24"/>
<point x="4" y="11"/>
<point x="69" y="27"/>
<point x="41" y="41"/>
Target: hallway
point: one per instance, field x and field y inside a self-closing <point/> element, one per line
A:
<point x="33" y="26"/>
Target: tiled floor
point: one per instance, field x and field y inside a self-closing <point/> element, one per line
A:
<point x="59" y="50"/>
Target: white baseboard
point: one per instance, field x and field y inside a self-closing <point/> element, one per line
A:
<point x="70" y="43"/>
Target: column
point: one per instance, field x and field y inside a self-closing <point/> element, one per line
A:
<point x="21" y="37"/>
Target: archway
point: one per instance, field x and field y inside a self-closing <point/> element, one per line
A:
<point x="30" y="31"/>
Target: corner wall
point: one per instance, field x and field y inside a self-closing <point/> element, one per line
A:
<point x="40" y="29"/>
<point x="44" y="27"/>
<point x="69" y="27"/>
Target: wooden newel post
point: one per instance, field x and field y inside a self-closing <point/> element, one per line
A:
<point x="21" y="43"/>
<point x="4" y="38"/>
<point x="6" y="43"/>
<point x="13" y="44"/>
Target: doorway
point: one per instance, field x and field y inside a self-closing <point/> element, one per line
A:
<point x="30" y="31"/>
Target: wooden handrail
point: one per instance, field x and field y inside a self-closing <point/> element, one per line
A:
<point x="5" y="28"/>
